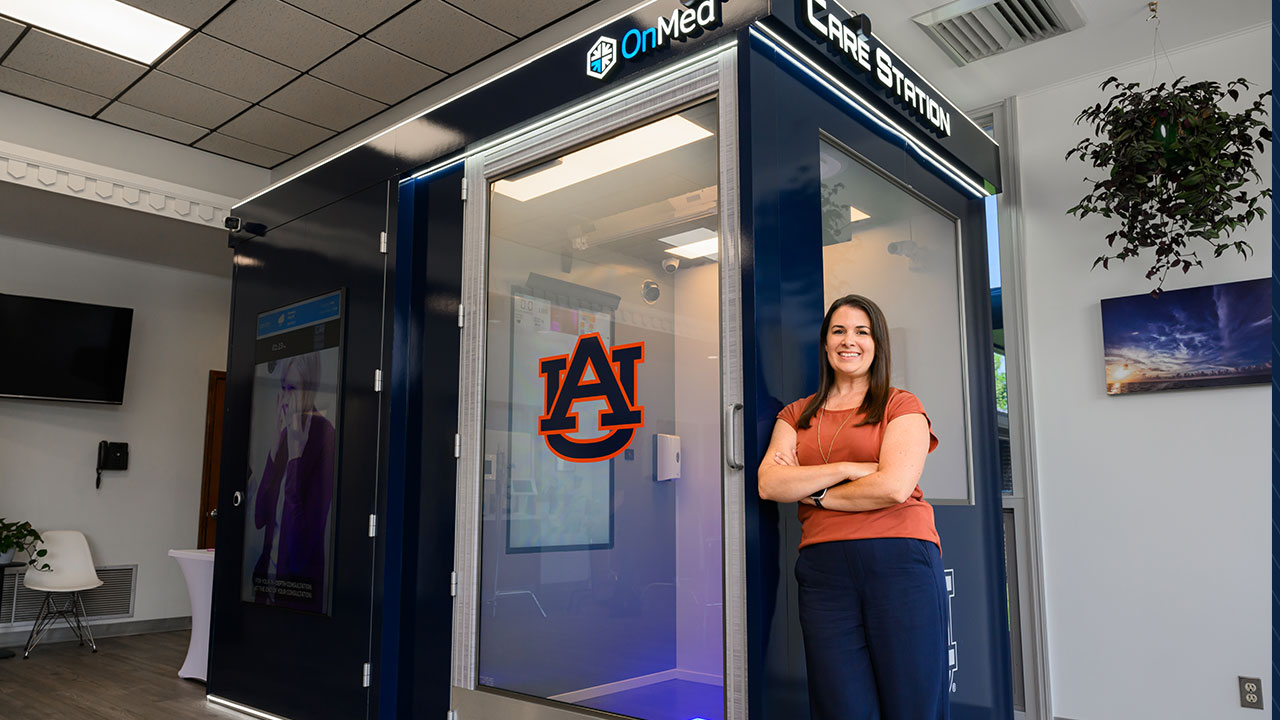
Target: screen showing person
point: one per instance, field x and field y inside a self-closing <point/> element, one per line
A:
<point x="288" y="552"/>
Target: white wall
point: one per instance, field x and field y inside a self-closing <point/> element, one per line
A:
<point x="48" y="449"/>
<point x="42" y="128"/>
<point x="1155" y="507"/>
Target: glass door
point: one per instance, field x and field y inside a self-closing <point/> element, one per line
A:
<point x="602" y="423"/>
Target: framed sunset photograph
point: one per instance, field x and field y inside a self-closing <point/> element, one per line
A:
<point x="1209" y="336"/>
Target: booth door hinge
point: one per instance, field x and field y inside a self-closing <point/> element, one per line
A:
<point x="368" y="675"/>
<point x="453" y="584"/>
<point x="382" y="242"/>
<point x="461" y="315"/>
<point x="453" y="715"/>
<point x="373" y="525"/>
<point x="377" y="380"/>
<point x="464" y="189"/>
<point x="457" y="445"/>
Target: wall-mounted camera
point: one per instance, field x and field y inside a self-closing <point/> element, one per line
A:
<point x="670" y="265"/>
<point x="238" y="230"/>
<point x="650" y="291"/>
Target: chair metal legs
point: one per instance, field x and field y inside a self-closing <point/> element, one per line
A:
<point x="72" y="609"/>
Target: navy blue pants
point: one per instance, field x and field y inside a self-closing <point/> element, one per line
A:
<point x="874" y="616"/>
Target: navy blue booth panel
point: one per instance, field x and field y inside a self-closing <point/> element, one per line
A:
<point x="784" y="113"/>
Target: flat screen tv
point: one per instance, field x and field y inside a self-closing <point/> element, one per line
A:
<point x="59" y="350"/>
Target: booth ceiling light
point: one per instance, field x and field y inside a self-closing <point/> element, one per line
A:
<point x="106" y="24"/>
<point x="603" y="157"/>
<point x="844" y="92"/>
<point x="695" y="243"/>
<point x="855" y="214"/>
<point x="702" y="248"/>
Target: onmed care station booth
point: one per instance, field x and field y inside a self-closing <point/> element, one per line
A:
<point x="500" y="378"/>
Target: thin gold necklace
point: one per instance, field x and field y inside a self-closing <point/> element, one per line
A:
<point x="826" y="456"/>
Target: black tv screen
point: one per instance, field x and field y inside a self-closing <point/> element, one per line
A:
<point x="59" y="350"/>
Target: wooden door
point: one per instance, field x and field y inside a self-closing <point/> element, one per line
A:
<point x="212" y="459"/>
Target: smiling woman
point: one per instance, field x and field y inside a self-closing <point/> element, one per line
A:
<point x="106" y="24"/>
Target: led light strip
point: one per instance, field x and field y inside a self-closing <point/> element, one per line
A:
<point x="439" y="167"/>
<point x="242" y="708"/>
<point x="595" y="100"/>
<point x="461" y="93"/>
<point x="856" y="101"/>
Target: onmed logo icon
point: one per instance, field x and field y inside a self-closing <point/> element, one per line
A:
<point x="602" y="58"/>
<point x="591" y="373"/>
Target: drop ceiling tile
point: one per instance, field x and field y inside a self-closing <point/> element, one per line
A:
<point x="66" y="63"/>
<point x="149" y="122"/>
<point x="279" y="31"/>
<point x="241" y="150"/>
<point x="520" y="18"/>
<point x="207" y="61"/>
<point x="320" y="103"/>
<point x="440" y="35"/>
<point x="374" y="71"/>
<point x="358" y="17"/>
<point x="268" y="128"/>
<point x="9" y="31"/>
<point x="191" y="13"/>
<point x="50" y="93"/>
<point x="183" y="100"/>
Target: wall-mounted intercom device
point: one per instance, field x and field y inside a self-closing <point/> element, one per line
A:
<point x="666" y="457"/>
<point x="111" y="456"/>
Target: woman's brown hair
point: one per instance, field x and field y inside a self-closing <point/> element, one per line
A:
<point x="877" y="396"/>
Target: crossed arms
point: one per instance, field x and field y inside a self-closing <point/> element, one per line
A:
<point x="869" y="486"/>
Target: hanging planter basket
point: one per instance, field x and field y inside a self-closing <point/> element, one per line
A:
<point x="1180" y="174"/>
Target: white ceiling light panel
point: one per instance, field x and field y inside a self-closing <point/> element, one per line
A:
<point x="106" y="24"/>
<point x="606" y="156"/>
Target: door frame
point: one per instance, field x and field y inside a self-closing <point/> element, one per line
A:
<point x="709" y="75"/>
<point x="210" y="454"/>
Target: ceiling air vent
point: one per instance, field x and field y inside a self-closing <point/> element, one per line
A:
<point x="969" y="30"/>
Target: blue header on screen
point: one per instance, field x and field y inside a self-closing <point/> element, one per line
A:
<point x="59" y="350"/>
<point x="309" y="312"/>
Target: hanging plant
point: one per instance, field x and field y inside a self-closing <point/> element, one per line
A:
<point x="1179" y="169"/>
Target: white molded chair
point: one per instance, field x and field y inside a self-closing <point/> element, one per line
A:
<point x="70" y="572"/>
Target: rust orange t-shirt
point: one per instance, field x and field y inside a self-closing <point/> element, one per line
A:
<point x="859" y="443"/>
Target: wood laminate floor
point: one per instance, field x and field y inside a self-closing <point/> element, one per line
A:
<point x="130" y="678"/>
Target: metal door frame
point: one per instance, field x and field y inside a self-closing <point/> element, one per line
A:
<point x="712" y="74"/>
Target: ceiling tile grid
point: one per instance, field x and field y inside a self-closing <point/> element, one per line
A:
<point x="262" y="81"/>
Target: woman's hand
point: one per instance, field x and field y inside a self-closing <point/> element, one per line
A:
<point x="895" y="477"/>
<point x="786" y="456"/>
<point x="782" y="478"/>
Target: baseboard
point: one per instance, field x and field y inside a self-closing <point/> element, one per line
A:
<point x="62" y="633"/>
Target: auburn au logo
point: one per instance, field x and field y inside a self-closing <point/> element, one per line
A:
<point x="613" y="379"/>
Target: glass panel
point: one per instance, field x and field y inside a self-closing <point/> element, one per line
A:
<point x="601" y="548"/>
<point x="882" y="242"/>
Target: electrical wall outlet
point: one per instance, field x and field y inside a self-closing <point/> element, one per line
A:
<point x="1250" y="692"/>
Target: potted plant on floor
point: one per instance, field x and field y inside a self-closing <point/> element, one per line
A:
<point x="20" y="536"/>
<point x="1180" y="171"/>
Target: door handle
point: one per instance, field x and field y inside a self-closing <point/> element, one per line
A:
<point x="733" y="453"/>
<point x="236" y="498"/>
<point x="213" y="513"/>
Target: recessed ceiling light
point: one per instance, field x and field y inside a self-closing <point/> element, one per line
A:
<point x="606" y="156"/>
<point x="702" y="248"/>
<point x="106" y="24"/>
<point x="855" y="214"/>
<point x="689" y="236"/>
<point x="695" y="243"/>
